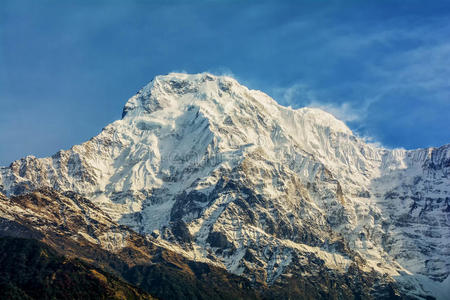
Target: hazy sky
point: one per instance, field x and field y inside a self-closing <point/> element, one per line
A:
<point x="68" y="67"/>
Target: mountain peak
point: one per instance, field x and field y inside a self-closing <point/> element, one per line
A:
<point x="160" y="92"/>
<point x="225" y="174"/>
<point x="225" y="93"/>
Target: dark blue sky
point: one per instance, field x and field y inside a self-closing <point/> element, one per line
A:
<point x="68" y="67"/>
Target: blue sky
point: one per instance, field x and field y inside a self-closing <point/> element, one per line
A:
<point x="68" y="67"/>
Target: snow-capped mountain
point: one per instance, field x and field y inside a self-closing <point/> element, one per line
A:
<point x="225" y="175"/>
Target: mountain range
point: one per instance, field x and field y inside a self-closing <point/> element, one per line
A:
<point x="207" y="189"/>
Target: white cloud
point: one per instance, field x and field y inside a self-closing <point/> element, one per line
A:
<point x="300" y="95"/>
<point x="426" y="68"/>
<point x="344" y="111"/>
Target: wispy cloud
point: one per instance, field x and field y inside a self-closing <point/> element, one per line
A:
<point x="423" y="69"/>
<point x="389" y="80"/>
<point x="300" y="95"/>
<point x="344" y="111"/>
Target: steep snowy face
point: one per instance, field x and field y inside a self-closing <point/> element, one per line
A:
<point x="413" y="194"/>
<point x="224" y="174"/>
<point x="177" y="129"/>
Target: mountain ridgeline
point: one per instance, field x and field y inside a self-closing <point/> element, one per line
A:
<point x="206" y="189"/>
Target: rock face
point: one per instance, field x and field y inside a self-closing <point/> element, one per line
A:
<point x="224" y="175"/>
<point x="61" y="245"/>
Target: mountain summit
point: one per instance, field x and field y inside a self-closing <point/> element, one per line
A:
<point x="225" y="175"/>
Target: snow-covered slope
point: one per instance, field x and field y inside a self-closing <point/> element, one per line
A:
<point x="224" y="174"/>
